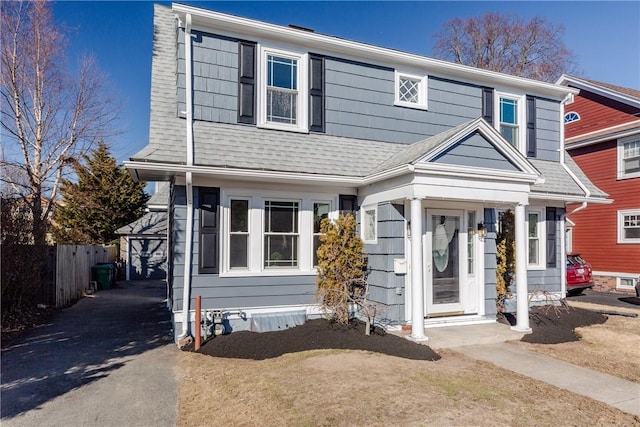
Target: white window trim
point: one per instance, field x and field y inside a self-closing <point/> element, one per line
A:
<point x="422" y="91"/>
<point x="628" y="288"/>
<point x="333" y="215"/>
<point x="227" y="234"/>
<point x="522" y="117"/>
<point x="542" y="236"/>
<point x="303" y="90"/>
<point x="621" y="142"/>
<point x="621" y="214"/>
<point x="256" y="231"/>
<point x="363" y="211"/>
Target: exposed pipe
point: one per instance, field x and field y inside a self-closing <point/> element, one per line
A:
<point x="186" y="286"/>
<point x="198" y="322"/>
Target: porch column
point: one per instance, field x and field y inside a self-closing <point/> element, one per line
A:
<point x="522" y="287"/>
<point x="417" y="286"/>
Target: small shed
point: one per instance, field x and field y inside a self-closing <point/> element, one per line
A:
<point x="143" y="243"/>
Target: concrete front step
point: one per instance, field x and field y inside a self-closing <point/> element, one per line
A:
<point x="453" y="336"/>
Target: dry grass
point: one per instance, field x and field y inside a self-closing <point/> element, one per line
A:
<point x="356" y="388"/>
<point x="611" y="348"/>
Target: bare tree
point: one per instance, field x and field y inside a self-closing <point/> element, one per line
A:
<point x="48" y="116"/>
<point x="507" y="44"/>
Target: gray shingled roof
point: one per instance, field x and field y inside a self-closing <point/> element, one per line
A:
<point x="151" y="223"/>
<point x="418" y="149"/>
<point x="161" y="196"/>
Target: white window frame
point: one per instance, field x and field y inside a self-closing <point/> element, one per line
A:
<point x="542" y="236"/>
<point x="228" y="233"/>
<point x="621" y="172"/>
<point x="302" y="111"/>
<point x="363" y="228"/>
<point x="619" y="284"/>
<point x="313" y="234"/>
<point x="521" y="117"/>
<point x="298" y="233"/>
<point x="422" y="103"/>
<point x="568" y="115"/>
<point x="257" y="199"/>
<point x="621" y="215"/>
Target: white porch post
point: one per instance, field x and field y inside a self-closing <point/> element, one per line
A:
<point x="522" y="287"/>
<point x="417" y="286"/>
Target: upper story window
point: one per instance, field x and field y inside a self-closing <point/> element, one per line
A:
<point x="571" y="116"/>
<point x="283" y="102"/>
<point x="282" y="90"/>
<point x="509" y="126"/>
<point x="410" y="91"/>
<point x="629" y="157"/>
<point x="629" y="226"/>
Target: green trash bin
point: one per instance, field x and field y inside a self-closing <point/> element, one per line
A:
<point x="103" y="275"/>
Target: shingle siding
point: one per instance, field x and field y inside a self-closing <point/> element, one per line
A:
<point x="228" y="292"/>
<point x="548" y="129"/>
<point x="382" y="280"/>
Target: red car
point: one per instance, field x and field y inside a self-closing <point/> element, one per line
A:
<point x="579" y="275"/>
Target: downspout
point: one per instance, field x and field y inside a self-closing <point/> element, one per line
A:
<point x="583" y="205"/>
<point x="186" y="286"/>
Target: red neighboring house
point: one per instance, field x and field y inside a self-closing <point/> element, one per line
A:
<point x="602" y="135"/>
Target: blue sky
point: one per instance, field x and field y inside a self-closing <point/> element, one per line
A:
<point x="605" y="36"/>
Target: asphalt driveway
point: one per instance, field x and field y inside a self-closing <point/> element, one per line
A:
<point x="109" y="360"/>
<point x="607" y="298"/>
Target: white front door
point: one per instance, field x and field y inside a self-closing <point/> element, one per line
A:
<point x="444" y="261"/>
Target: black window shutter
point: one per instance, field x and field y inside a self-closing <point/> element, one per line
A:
<point x="490" y="220"/>
<point x="487" y="104"/>
<point x="316" y="93"/>
<point x="551" y="237"/>
<point x="209" y="199"/>
<point x="531" y="127"/>
<point x="247" y="82"/>
<point x="348" y="204"/>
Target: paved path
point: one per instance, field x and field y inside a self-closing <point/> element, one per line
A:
<point x="607" y="298"/>
<point x="109" y="360"/>
<point x="622" y="394"/>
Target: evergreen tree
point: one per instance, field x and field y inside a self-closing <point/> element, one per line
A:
<point x="103" y="199"/>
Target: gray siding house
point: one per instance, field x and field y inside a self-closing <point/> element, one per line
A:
<point x="262" y="130"/>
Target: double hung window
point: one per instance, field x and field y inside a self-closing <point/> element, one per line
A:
<point x="629" y="157"/>
<point x="320" y="212"/>
<point x="239" y="233"/>
<point x="534" y="238"/>
<point x="509" y="126"/>
<point x="282" y="90"/>
<point x="281" y="234"/>
<point x="629" y="226"/>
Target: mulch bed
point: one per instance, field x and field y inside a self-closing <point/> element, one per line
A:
<point x="550" y="326"/>
<point x="313" y="335"/>
<point x="555" y="325"/>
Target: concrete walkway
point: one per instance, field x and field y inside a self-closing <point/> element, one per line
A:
<point x="108" y="360"/>
<point x="619" y="393"/>
<point x="489" y="342"/>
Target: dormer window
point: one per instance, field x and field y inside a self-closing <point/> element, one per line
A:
<point x="571" y="117"/>
<point x="411" y="91"/>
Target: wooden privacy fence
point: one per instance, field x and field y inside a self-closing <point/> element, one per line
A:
<point x="73" y="269"/>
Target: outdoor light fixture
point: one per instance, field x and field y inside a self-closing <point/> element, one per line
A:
<point x="482" y="232"/>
